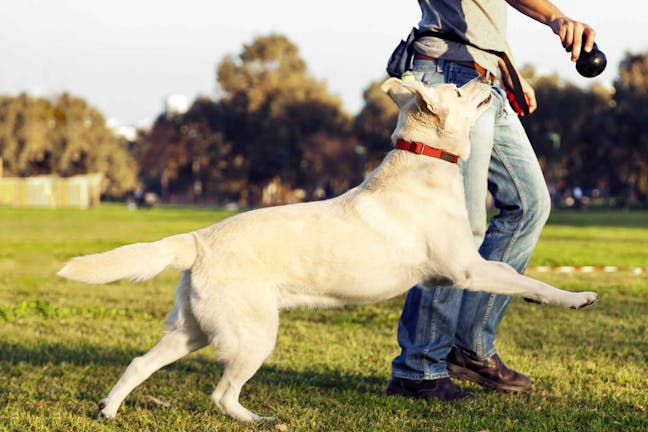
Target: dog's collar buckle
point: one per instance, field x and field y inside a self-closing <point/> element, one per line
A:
<point x="426" y="150"/>
<point x="416" y="147"/>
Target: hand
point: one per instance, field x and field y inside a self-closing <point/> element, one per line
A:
<point x="571" y="35"/>
<point x="529" y="94"/>
<point x="527" y="89"/>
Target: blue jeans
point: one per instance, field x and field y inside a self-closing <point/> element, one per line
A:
<point x="502" y="161"/>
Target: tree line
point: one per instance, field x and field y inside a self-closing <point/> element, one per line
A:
<point x="277" y="134"/>
<point x="64" y="136"/>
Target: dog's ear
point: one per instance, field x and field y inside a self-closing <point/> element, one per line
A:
<point x="402" y="91"/>
<point x="398" y="92"/>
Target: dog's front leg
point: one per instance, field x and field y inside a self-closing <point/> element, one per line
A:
<point x="498" y="277"/>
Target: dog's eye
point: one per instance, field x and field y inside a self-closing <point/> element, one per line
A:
<point x="458" y="92"/>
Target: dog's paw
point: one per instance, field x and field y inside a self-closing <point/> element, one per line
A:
<point x="104" y="411"/>
<point x="584" y="299"/>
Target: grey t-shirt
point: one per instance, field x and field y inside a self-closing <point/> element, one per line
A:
<point x="481" y="22"/>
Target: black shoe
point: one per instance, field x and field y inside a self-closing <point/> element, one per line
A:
<point x="491" y="372"/>
<point x="443" y="389"/>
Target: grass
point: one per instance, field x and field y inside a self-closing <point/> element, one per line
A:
<point x="64" y="344"/>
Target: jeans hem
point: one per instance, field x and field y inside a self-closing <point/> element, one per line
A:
<point x="420" y="377"/>
<point x="489" y="353"/>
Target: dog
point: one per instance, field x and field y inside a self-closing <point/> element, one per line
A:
<point x="405" y="224"/>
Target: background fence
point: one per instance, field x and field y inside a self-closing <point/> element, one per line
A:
<point x="81" y="191"/>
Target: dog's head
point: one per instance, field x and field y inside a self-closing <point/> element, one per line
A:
<point x="440" y="115"/>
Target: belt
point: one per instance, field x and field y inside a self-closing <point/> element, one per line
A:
<point x="473" y="65"/>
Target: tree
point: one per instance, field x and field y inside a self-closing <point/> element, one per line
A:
<point x="190" y="156"/>
<point x="375" y="122"/>
<point x="330" y="165"/>
<point x="161" y="153"/>
<point x="594" y="137"/>
<point x="273" y="105"/>
<point x="65" y="136"/>
<point x="556" y="129"/>
<point x="625" y="128"/>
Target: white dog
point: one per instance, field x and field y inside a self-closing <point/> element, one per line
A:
<point x="405" y="224"/>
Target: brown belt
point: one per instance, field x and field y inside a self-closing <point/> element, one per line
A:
<point x="473" y="65"/>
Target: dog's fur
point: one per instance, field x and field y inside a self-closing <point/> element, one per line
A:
<point x="405" y="224"/>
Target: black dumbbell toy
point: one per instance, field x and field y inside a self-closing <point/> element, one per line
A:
<point x="591" y="64"/>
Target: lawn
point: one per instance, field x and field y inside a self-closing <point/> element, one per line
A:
<point x="64" y="344"/>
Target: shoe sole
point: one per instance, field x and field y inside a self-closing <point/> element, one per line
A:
<point x="468" y="375"/>
<point x="404" y="393"/>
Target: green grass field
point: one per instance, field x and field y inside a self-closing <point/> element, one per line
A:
<point x="64" y="344"/>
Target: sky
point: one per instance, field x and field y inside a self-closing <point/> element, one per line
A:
<point x="126" y="56"/>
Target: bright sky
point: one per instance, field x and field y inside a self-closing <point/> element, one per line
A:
<point x="126" y="56"/>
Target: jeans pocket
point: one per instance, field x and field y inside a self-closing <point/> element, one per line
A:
<point x="459" y="74"/>
<point x="427" y="72"/>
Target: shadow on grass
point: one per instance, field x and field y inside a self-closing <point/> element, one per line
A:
<point x="600" y="217"/>
<point x="44" y="354"/>
<point x="349" y="401"/>
<point x="269" y="374"/>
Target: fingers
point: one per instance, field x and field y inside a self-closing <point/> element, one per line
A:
<point x="574" y="35"/>
<point x="529" y="94"/>
<point x="532" y="103"/>
<point x="583" y="39"/>
<point x="531" y="100"/>
<point x="590" y="37"/>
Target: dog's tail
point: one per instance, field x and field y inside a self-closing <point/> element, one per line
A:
<point x="136" y="262"/>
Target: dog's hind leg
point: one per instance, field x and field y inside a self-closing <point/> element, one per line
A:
<point x="183" y="337"/>
<point x="497" y="277"/>
<point x="171" y="347"/>
<point x="243" y="346"/>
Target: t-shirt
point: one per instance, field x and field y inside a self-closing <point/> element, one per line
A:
<point x="481" y="22"/>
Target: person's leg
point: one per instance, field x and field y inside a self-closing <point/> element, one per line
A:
<point x="428" y="321"/>
<point x="522" y="199"/>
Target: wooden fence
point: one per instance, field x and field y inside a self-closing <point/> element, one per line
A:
<point x="81" y="191"/>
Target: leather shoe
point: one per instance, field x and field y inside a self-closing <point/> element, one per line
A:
<point x="490" y="372"/>
<point x="442" y="388"/>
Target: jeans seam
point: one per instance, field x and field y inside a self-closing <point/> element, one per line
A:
<point x="424" y="362"/>
<point x="482" y="324"/>
<point x="523" y="203"/>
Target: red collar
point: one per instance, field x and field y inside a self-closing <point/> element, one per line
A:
<point x="420" y="148"/>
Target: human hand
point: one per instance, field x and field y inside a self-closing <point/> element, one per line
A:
<point x="527" y="90"/>
<point x="574" y="35"/>
<point x="529" y="94"/>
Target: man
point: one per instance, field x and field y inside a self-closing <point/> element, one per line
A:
<point x="445" y="332"/>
